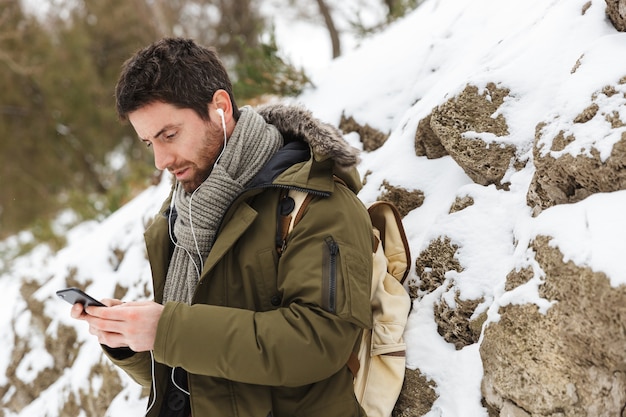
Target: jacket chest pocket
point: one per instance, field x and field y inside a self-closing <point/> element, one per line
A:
<point x="246" y="282"/>
<point x="258" y="285"/>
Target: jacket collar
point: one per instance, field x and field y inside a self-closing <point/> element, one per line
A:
<point x="310" y="146"/>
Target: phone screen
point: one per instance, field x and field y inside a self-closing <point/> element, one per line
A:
<point x="76" y="295"/>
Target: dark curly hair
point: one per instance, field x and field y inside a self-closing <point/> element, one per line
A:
<point x="176" y="71"/>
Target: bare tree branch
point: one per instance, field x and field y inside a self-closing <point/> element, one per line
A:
<point x="15" y="66"/>
<point x="11" y="35"/>
<point x="330" y="25"/>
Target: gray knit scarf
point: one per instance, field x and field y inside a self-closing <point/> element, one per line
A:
<point x="251" y="145"/>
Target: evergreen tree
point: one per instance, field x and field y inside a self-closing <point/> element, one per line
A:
<point x="57" y="110"/>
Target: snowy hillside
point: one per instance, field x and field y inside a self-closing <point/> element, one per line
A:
<point x="391" y="83"/>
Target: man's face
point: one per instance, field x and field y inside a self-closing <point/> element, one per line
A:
<point x="183" y="143"/>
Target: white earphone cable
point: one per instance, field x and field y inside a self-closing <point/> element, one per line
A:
<point x="154" y="393"/>
<point x="193" y="234"/>
<point x="169" y="230"/>
<point x="176" y="385"/>
<point x="195" y="241"/>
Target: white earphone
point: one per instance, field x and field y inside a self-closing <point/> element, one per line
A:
<point x="221" y="113"/>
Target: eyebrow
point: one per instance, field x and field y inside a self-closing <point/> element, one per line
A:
<point x="160" y="132"/>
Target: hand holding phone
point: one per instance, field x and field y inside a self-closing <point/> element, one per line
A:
<point x="76" y="295"/>
<point x="132" y="325"/>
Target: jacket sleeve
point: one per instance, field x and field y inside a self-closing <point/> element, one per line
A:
<point x="138" y="365"/>
<point x="324" y="276"/>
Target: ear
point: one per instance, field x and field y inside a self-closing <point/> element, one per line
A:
<point x="221" y="100"/>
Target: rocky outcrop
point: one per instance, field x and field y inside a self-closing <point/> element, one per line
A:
<point x="432" y="265"/>
<point x="616" y="12"/>
<point x="564" y="173"/>
<point x="417" y="396"/>
<point x="462" y="123"/>
<point x="456" y="323"/>
<point x="404" y="200"/>
<point x="63" y="346"/>
<point x="370" y="137"/>
<point x="569" y="361"/>
<point x="427" y="143"/>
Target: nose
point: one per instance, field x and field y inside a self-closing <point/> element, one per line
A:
<point x="162" y="158"/>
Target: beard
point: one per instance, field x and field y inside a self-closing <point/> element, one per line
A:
<point x="199" y="176"/>
<point x="201" y="170"/>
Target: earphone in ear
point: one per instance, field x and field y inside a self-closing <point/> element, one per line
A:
<point x="221" y="113"/>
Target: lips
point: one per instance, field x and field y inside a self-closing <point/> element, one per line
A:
<point x="180" y="173"/>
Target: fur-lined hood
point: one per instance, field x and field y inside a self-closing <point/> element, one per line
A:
<point x="325" y="140"/>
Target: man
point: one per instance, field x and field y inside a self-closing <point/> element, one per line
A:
<point x="243" y="324"/>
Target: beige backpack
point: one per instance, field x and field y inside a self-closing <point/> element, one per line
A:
<point x="379" y="366"/>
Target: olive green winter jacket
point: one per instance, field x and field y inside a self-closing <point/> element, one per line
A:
<point x="269" y="335"/>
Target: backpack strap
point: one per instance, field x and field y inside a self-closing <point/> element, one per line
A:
<point x="353" y="364"/>
<point x="291" y="201"/>
<point x="394" y="241"/>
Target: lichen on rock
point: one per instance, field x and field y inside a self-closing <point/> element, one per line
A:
<point x="431" y="266"/>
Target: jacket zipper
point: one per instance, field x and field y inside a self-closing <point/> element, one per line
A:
<point x="330" y="274"/>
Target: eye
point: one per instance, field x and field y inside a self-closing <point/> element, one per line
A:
<point x="147" y="143"/>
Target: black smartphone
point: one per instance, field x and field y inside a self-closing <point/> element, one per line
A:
<point x="75" y="295"/>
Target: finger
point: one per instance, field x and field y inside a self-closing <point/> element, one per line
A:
<point x="112" y="340"/>
<point x="77" y="311"/>
<point x="103" y="312"/>
<point x="110" y="302"/>
<point x="100" y="325"/>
